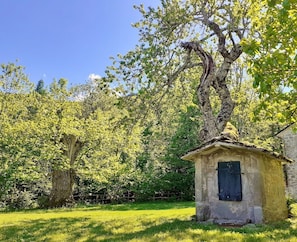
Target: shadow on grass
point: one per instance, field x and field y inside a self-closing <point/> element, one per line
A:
<point x="73" y="229"/>
<point x="66" y="229"/>
<point x="177" y="230"/>
<point x="162" y="205"/>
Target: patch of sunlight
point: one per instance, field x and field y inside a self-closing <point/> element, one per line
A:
<point x="293" y="224"/>
<point x="261" y="236"/>
<point x="214" y="235"/>
<point x="59" y="237"/>
<point x="195" y="231"/>
<point x="123" y="226"/>
<point x="276" y="234"/>
<point x="83" y="225"/>
<point x="294" y="209"/>
<point x="161" y="236"/>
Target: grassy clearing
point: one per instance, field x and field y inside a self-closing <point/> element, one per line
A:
<point x="132" y="222"/>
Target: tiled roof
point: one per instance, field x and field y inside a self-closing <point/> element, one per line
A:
<point x="222" y="142"/>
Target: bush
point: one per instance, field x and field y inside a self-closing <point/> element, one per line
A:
<point x="20" y="200"/>
<point x="43" y="201"/>
<point x="290" y="201"/>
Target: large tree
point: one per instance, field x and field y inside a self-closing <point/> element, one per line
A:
<point x="82" y="132"/>
<point x="61" y="133"/>
<point x="180" y="38"/>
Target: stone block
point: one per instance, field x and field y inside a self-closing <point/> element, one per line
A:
<point x="258" y="215"/>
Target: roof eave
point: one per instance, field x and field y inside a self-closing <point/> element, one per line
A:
<point x="208" y="149"/>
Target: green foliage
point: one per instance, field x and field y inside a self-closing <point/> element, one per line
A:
<point x="176" y="38"/>
<point x="273" y="59"/>
<point x="42" y="132"/>
<point x="17" y="140"/>
<point x="13" y="79"/>
<point x="254" y="126"/>
<point x="88" y="134"/>
<point x="179" y="174"/>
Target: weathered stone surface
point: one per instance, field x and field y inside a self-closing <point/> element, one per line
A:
<point x="289" y="138"/>
<point x="202" y="212"/>
<point x="263" y="186"/>
<point x="229" y="222"/>
<point x="258" y="215"/>
<point x="273" y="195"/>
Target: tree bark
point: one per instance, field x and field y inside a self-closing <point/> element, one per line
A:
<point x="229" y="48"/>
<point x="62" y="188"/>
<point x="213" y="124"/>
<point x="63" y="179"/>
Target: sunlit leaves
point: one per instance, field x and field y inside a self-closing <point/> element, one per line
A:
<point x="13" y="79"/>
<point x="273" y="65"/>
<point x="17" y="141"/>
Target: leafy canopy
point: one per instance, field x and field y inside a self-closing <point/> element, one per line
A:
<point x="273" y="57"/>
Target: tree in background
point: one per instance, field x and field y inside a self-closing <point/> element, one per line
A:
<point x="110" y="159"/>
<point x="161" y="123"/>
<point x="18" y="144"/>
<point x="40" y="88"/>
<point x="178" y="176"/>
<point x="53" y="137"/>
<point x="254" y="126"/>
<point x="82" y="136"/>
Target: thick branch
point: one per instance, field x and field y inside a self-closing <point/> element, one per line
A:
<point x="72" y="147"/>
<point x="219" y="33"/>
<point x="236" y="49"/>
<point x="213" y="125"/>
<point x="221" y="88"/>
<point x="203" y="91"/>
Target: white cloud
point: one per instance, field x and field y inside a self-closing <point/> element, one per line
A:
<point x="93" y="77"/>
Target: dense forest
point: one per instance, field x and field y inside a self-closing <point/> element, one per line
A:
<point x="119" y="138"/>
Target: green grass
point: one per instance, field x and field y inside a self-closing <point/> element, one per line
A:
<point x="132" y="222"/>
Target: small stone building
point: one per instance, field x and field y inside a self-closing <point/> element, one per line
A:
<point x="238" y="183"/>
<point x="289" y="137"/>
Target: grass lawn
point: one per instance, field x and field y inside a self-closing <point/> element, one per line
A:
<point x="132" y="222"/>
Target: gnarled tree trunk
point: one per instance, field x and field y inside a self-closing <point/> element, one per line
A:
<point x="62" y="188"/>
<point x="63" y="179"/>
<point x="216" y="78"/>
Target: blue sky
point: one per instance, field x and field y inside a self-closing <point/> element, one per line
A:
<point x="67" y="38"/>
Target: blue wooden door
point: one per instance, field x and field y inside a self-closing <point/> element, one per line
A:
<point x="229" y="181"/>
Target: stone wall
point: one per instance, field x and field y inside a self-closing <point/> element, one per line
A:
<point x="273" y="196"/>
<point x="208" y="205"/>
<point x="289" y="138"/>
<point x="262" y="188"/>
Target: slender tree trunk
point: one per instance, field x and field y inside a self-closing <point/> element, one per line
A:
<point x="63" y="180"/>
